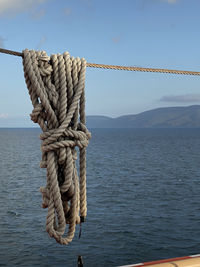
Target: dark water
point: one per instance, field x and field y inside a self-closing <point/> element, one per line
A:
<point x="143" y="199"/>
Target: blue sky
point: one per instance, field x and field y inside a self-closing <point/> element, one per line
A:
<point x="146" y="33"/>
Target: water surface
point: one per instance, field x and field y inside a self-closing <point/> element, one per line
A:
<point x="143" y="199"/>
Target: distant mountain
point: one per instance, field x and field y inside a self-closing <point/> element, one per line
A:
<point x="170" y="117"/>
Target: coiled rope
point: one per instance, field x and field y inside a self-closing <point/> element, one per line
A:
<point x="56" y="88"/>
<point x="116" y="67"/>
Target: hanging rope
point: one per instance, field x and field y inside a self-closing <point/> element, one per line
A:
<point x="57" y="94"/>
<point x="115" y="67"/>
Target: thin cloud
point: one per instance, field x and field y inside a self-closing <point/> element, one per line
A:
<point x="38" y="14"/>
<point x="144" y="4"/>
<point x="88" y="3"/>
<point x="2" y="41"/>
<point x="116" y="39"/>
<point x="189" y="98"/>
<point x="41" y="42"/>
<point x="12" y="7"/>
<point x="170" y="1"/>
<point x="67" y="11"/>
<point x="3" y="115"/>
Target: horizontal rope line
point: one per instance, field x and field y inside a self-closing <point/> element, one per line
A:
<point x="115" y="67"/>
<point x="14" y="53"/>
<point x="184" y="72"/>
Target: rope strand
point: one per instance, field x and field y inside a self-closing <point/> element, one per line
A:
<point x="116" y="67"/>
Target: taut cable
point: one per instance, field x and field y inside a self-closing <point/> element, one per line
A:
<point x="10" y="52"/>
<point x="116" y="67"/>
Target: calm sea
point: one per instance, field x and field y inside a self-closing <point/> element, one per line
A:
<point x="143" y="199"/>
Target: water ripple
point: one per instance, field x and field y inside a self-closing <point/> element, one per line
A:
<point x="143" y="199"/>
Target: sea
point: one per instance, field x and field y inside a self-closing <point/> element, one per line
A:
<point x="143" y="190"/>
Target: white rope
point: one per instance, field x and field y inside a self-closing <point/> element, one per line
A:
<point x="56" y="87"/>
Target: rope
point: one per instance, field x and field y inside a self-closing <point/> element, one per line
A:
<point x="57" y="93"/>
<point x="115" y="67"/>
<point x="9" y="52"/>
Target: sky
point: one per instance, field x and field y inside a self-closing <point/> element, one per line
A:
<point x="144" y="33"/>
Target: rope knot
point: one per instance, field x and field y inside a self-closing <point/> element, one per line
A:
<point x="44" y="65"/>
<point x="37" y="111"/>
<point x="69" y="138"/>
<point x="43" y="57"/>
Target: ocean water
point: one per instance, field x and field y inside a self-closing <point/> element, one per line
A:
<point x="143" y="199"/>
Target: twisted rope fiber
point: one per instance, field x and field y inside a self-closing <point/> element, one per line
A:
<point x="115" y="67"/>
<point x="56" y="87"/>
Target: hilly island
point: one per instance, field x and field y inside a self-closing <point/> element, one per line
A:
<point x="169" y="117"/>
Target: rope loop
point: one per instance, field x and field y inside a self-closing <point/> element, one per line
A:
<point x="56" y="86"/>
<point x="69" y="138"/>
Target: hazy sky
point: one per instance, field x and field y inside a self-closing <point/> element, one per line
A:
<point x="146" y="33"/>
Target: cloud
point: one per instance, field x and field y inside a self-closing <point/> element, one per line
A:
<point x="12" y="7"/>
<point x="87" y="3"/>
<point x="189" y="98"/>
<point x="41" y="42"/>
<point x="67" y="11"/>
<point x="116" y="39"/>
<point x="170" y="1"/>
<point x="3" y="115"/>
<point x="2" y="41"/>
<point x="38" y="14"/>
